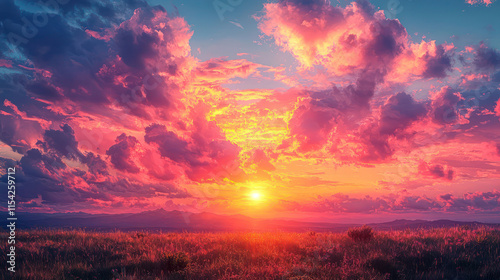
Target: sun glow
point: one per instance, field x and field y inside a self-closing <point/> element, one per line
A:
<point x="255" y="196"/>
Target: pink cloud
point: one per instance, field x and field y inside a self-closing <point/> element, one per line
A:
<point x="474" y="2"/>
<point x="435" y="171"/>
<point x="477" y="202"/>
<point x="351" y="39"/>
<point x="221" y="70"/>
<point x="497" y="108"/>
<point x="5" y="63"/>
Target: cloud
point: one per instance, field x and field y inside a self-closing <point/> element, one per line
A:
<point x="313" y="121"/>
<point x="399" y="112"/>
<point x="59" y="186"/>
<point x="444" y="105"/>
<point x="121" y="153"/>
<point x="486" y="59"/>
<point x="121" y="73"/>
<point x="96" y="71"/>
<point x="348" y="40"/>
<point x="396" y="115"/>
<point x="435" y="171"/>
<point x="62" y="142"/>
<point x="402" y="203"/>
<point x="95" y="164"/>
<point x="438" y="64"/>
<point x="260" y="160"/>
<point x="474" y="2"/>
<point x="478" y="201"/>
<point x="341" y="203"/>
<point x="497" y="108"/>
<point x="365" y="51"/>
<point x="205" y="153"/>
<point x="340" y="39"/>
<point x="221" y="70"/>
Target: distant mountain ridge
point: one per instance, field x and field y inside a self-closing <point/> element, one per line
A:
<point x="185" y="221"/>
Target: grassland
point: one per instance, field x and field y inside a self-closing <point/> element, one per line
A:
<point x="453" y="253"/>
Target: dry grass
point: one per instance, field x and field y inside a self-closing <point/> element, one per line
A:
<point x="454" y="253"/>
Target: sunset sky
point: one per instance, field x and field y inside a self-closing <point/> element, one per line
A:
<point x="310" y="110"/>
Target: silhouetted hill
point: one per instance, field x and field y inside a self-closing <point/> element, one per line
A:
<point x="179" y="221"/>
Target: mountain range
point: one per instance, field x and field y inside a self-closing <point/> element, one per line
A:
<point x="162" y="220"/>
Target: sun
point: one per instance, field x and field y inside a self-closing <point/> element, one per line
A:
<point x="256" y="196"/>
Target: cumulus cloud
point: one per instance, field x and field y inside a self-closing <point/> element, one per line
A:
<point x="444" y="106"/>
<point x="351" y="39"/>
<point x="365" y="49"/>
<point x="436" y="171"/>
<point x="399" y="112"/>
<point x="396" y="115"/>
<point x="75" y="71"/>
<point x="121" y="153"/>
<point x="478" y="201"/>
<point x="58" y="185"/>
<point x="107" y="66"/>
<point x="486" y="59"/>
<point x="62" y="142"/>
<point x="205" y="153"/>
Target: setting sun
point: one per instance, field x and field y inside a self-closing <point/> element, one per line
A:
<point x="255" y="196"/>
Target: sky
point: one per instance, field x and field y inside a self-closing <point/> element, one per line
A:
<point x="308" y="110"/>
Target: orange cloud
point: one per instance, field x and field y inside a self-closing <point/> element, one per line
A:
<point x="221" y="70"/>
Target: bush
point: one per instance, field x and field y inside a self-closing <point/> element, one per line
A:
<point x="382" y="265"/>
<point x="174" y="262"/>
<point x="334" y="257"/>
<point x="364" y="233"/>
<point x="420" y="261"/>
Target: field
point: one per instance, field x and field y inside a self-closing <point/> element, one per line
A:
<point x="452" y="253"/>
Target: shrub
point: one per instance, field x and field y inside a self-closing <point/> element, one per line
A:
<point x="382" y="265"/>
<point x="334" y="257"/>
<point x="174" y="262"/>
<point x="364" y="233"/>
<point x="420" y="261"/>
